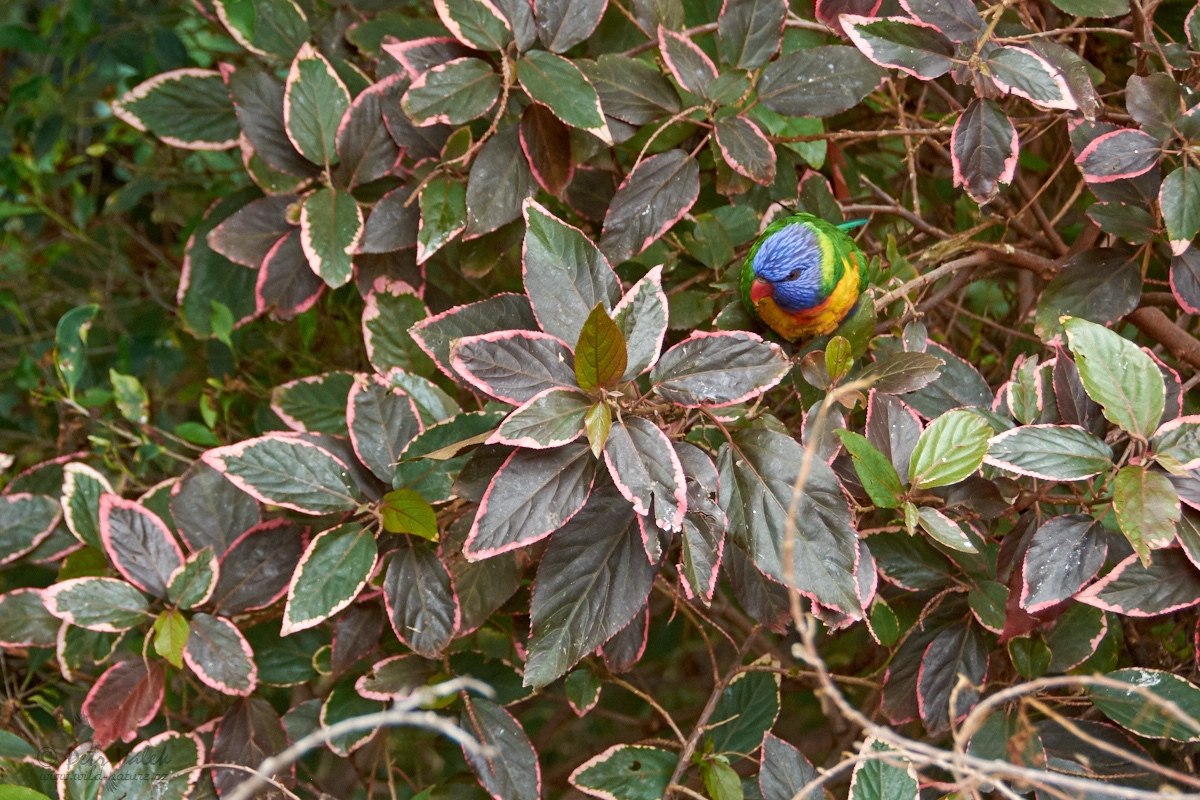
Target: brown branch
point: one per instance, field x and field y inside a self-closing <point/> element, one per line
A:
<point x="1158" y="326"/>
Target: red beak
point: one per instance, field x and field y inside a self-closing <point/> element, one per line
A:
<point x="760" y="289"/>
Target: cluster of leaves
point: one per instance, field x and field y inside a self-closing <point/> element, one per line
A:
<point x="521" y="428"/>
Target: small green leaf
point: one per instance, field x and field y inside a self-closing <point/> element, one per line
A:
<point x="600" y="354"/>
<point x="1179" y="199"/>
<point x="70" y="345"/>
<point x="1029" y="655"/>
<point x="1147" y="508"/>
<point x="945" y="530"/>
<point x="884" y="623"/>
<point x="1119" y="376"/>
<point x="877" y="474"/>
<point x="839" y="358"/>
<point x="131" y="398"/>
<point x="170" y="636"/>
<point x="880" y="779"/>
<point x="583" y="690"/>
<point x="949" y="450"/>
<point x="1132" y="709"/>
<point x="406" y="511"/>
<point x="987" y="601"/>
<point x="222" y="323"/>
<point x="331" y="225"/>
<point x="720" y="780"/>
<point x="598" y="423"/>
<point x="443" y="215"/>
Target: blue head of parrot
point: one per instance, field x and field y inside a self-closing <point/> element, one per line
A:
<point x="790" y="261"/>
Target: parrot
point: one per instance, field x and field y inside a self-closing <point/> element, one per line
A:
<point x="803" y="276"/>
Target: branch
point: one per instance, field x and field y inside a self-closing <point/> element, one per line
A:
<point x="1158" y="326"/>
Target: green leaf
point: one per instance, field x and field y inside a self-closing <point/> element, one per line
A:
<point x="720" y="780"/>
<point x="1029" y="655"/>
<point x="598" y="423"/>
<point x="1147" y="508"/>
<point x="452" y="93"/>
<point x="187" y="108"/>
<point x="987" y="601"/>
<point x="170" y="636"/>
<point x="70" y="345"/>
<point x="550" y="419"/>
<point x="1050" y="452"/>
<point x="1094" y="8"/>
<point x="877" y="474"/>
<point x="818" y="82"/>
<point x="583" y="690"/>
<point x="879" y="779"/>
<point x="98" y="604"/>
<point x="1118" y="375"/>
<point x="221" y="323"/>
<point x="1133" y="709"/>
<point x="130" y="396"/>
<point x="1180" y="440"/>
<point x="627" y="772"/>
<point x="443" y="215"/>
<point x="194" y="582"/>
<point x="944" y="530"/>
<point x="475" y="23"/>
<point x="405" y="511"/>
<point x="289" y="472"/>
<point x="839" y="358"/>
<point x="600" y="354"/>
<point x="392" y="308"/>
<point x="331" y="225"/>
<point x="746" y="711"/>
<point x="334" y="569"/>
<point x="884" y="624"/>
<point x="270" y="28"/>
<point x="559" y="85"/>
<point x="1179" y="199"/>
<point x="315" y="404"/>
<point x="314" y="101"/>
<point x="949" y="450"/>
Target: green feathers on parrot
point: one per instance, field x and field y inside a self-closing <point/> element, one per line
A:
<point x="803" y="276"/>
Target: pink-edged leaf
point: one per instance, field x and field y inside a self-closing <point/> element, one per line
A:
<point x="1170" y="583"/>
<point x="513" y="771"/>
<point x="560" y="85"/>
<point x="483" y="586"/>
<point x="718" y="369"/>
<point x="393" y="223"/>
<point x="1026" y="74"/>
<point x="565" y="274"/>
<point x="785" y="771"/>
<point x="893" y="428"/>
<point x="689" y="65"/>
<point x="209" y="510"/>
<point x="1119" y="155"/>
<point x="418" y="142"/>
<point x="207" y="275"/>
<point x="513" y="366"/>
<point x="82" y="486"/>
<point x="343" y="703"/>
<point x="187" y="108"/>
<point x="334" y="569"/>
<point x="220" y="656"/>
<point x="258" y="566"/>
<point x="137" y="779"/>
<point x="1064" y="554"/>
<point x="749" y="32"/>
<point x="331" y="225"/>
<point x="421" y="603"/>
<point x="355" y="634"/>
<point x="1049" y="452"/>
<point x="258" y="101"/>
<point x="819" y="81"/>
<point x="366" y="151"/>
<point x="249" y="732"/>
<point x="1179" y="201"/>
<point x="45" y="477"/>
<point x="830" y="11"/>
<point x="532" y="495"/>
<point x="418" y="55"/>
<point x="287" y="285"/>
<point x="646" y="470"/>
<point x="984" y="150"/>
<point x="902" y="43"/>
<point x="562" y="24"/>
<point x="649" y="767"/>
<point x="193" y="583"/>
<point x="138" y="544"/>
<point x="287" y="471"/>
<point x="703" y="542"/>
<point x="126" y="697"/>
<point x="314" y="101"/>
<point x="273" y="30"/>
<point x="1185" y="280"/>
<point x="631" y="90"/>
<point x="453" y="93"/>
<point x="593" y="579"/>
<point x="106" y="605"/>
<point x="443" y="216"/>
<point x="1075" y="636"/>
<point x="26" y="520"/>
<point x="549" y="419"/>
<point x="642" y="316"/>
<point x="762" y="597"/>
<point x="654" y="196"/>
<point x="314" y="404"/>
<point x="500" y="312"/>
<point x="627" y="646"/>
<point x="25" y="621"/>
<point x="246" y="237"/>
<point x="395" y="676"/>
<point x="546" y="142"/>
<point x="958" y="653"/>
<point x="392" y="307"/>
<point x="382" y="421"/>
<point x="499" y="182"/>
<point x="583" y="691"/>
<point x="478" y="24"/>
<point x="746" y="149"/>
<point x="83" y="774"/>
<point x="958" y="19"/>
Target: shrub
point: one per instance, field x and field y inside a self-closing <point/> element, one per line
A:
<point x="567" y="519"/>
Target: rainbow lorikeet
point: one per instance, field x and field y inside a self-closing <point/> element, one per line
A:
<point x="803" y="276"/>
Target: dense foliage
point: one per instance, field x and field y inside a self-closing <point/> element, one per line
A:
<point x="377" y="399"/>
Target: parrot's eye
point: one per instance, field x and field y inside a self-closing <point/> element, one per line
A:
<point x="793" y="275"/>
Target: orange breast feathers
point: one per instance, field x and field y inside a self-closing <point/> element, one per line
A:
<point x="816" y="321"/>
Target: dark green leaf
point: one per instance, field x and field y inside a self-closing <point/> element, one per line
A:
<point x="818" y="82"/>
<point x="475" y="23"/>
<point x="289" y="472"/>
<point x="185" y="108"/>
<point x="558" y="84"/>
<point x="655" y="195"/>
<point x="332" y="572"/>
<point x="1140" y="709"/>
<point x="452" y="93"/>
<point x="914" y="49"/>
<point x="749" y="31"/>
<point x="314" y="101"/>
<point x="631" y="90"/>
<point x="443" y="215"/>
<point x="627" y="772"/>
<point x="420" y="598"/>
<point x="551" y="418"/>
<point x="1179" y="199"/>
